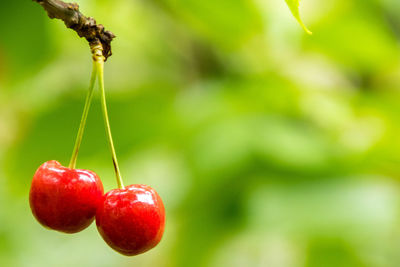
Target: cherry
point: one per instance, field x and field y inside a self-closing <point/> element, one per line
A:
<point x="131" y="220"/>
<point x="65" y="199"/>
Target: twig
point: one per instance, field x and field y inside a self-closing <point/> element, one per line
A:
<point x="86" y="27"/>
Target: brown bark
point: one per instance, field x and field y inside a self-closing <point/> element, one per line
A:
<point x="86" y="27"/>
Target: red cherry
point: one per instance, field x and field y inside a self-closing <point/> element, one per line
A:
<point x="131" y="220"/>
<point x="65" y="199"/>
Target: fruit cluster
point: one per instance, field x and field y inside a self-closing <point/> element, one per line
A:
<point x="130" y="219"/>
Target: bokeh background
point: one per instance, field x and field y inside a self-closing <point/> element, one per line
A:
<point x="269" y="147"/>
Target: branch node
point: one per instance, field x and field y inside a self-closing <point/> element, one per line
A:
<point x="85" y="27"/>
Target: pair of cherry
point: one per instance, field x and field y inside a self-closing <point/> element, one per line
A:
<point x="130" y="219"/>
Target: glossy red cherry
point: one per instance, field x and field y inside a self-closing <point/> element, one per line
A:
<point x="131" y="220"/>
<point x="65" y="199"/>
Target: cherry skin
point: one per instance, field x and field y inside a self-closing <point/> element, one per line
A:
<point x="131" y="220"/>
<point x="65" y="199"/>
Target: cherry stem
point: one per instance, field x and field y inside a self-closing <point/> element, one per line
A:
<point x="85" y="113"/>
<point x="100" y="73"/>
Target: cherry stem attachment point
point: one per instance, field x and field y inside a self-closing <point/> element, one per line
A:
<point x="99" y="61"/>
<point x="85" y="113"/>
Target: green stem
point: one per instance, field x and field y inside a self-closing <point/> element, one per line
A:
<point x="100" y="68"/>
<point x="85" y="113"/>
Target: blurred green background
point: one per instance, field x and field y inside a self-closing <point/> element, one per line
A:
<point x="269" y="147"/>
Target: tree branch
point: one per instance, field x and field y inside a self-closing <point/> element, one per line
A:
<point x="86" y="27"/>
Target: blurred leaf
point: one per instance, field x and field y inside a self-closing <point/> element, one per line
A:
<point x="332" y="252"/>
<point x="376" y="48"/>
<point x="226" y="23"/>
<point x="25" y="38"/>
<point x="294" y="7"/>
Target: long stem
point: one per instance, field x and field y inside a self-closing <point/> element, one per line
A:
<point x="85" y="113"/>
<point x="100" y="68"/>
